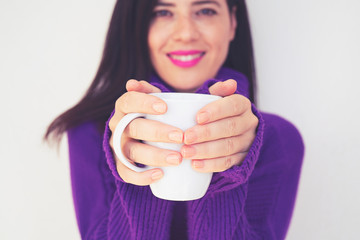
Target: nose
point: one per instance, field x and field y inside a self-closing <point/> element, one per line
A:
<point x="185" y="29"/>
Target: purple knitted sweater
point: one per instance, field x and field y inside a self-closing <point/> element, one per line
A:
<point x="252" y="201"/>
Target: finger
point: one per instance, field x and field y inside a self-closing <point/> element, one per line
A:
<point x="141" y="86"/>
<point x="140" y="102"/>
<point x="152" y="156"/>
<point x="111" y="142"/>
<point x="136" y="102"/>
<point x="150" y="130"/>
<point x="218" y="148"/>
<point x="218" y="164"/>
<point x="115" y="120"/>
<point x="227" y="127"/>
<point x="138" y="178"/>
<point x="233" y="105"/>
<point x="223" y="89"/>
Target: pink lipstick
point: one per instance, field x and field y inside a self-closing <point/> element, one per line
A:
<point x="185" y="59"/>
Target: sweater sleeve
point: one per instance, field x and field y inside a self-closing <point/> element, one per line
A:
<point x="238" y="175"/>
<point x="262" y="206"/>
<point x="93" y="185"/>
<point x="110" y="158"/>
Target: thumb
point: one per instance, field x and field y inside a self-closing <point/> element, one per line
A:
<point x="223" y="89"/>
<point x="141" y="86"/>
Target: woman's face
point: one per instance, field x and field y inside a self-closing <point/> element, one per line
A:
<point x="189" y="40"/>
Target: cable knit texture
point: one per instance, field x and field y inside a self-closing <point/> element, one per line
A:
<point x="252" y="201"/>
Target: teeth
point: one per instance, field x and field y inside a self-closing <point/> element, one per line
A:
<point x="186" y="58"/>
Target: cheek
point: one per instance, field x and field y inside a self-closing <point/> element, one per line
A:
<point x="218" y="35"/>
<point x="157" y="38"/>
<point x="154" y="36"/>
<point x="152" y="40"/>
<point x="220" y="41"/>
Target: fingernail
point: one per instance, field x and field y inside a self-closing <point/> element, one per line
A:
<point x="173" y="159"/>
<point x="198" y="164"/>
<point x="176" y="136"/>
<point x="187" y="151"/>
<point x="203" y="117"/>
<point x="190" y="137"/>
<point x="156" y="175"/>
<point x="159" y="107"/>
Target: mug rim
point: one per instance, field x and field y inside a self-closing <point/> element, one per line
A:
<point x="185" y="96"/>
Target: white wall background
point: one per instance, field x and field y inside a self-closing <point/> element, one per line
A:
<point x="308" y="62"/>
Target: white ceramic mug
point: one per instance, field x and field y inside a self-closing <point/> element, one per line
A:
<point x="179" y="183"/>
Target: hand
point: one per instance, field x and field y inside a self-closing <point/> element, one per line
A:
<point x="225" y="131"/>
<point x="138" y="100"/>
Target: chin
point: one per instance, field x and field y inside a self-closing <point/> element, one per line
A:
<point x="186" y="80"/>
<point x="186" y="86"/>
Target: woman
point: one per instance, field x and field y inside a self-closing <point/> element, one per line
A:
<point x="185" y="46"/>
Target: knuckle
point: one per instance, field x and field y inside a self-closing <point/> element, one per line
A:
<point x="147" y="102"/>
<point x="204" y="150"/>
<point x="206" y="131"/>
<point x="145" y="84"/>
<point x="122" y="103"/>
<point x="247" y="103"/>
<point x="158" y="157"/>
<point x="216" y="110"/>
<point x="241" y="103"/>
<point x="228" y="163"/>
<point x="144" y="104"/>
<point x="240" y="158"/>
<point x="118" y="101"/>
<point x="131" y="152"/>
<point x="158" y="134"/>
<point x="229" y="146"/>
<point x="236" y="104"/>
<point x="112" y="124"/>
<point x="232" y="125"/>
<point x="122" y="173"/>
<point x="111" y="142"/>
<point x="132" y="130"/>
<point x="255" y="121"/>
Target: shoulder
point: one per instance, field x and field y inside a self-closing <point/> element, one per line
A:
<point x="273" y="183"/>
<point x="281" y="140"/>
<point x="277" y="126"/>
<point x="84" y="135"/>
<point x="87" y="129"/>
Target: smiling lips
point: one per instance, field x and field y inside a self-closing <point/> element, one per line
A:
<point x="186" y="59"/>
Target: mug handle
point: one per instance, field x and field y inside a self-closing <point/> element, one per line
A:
<point x="117" y="140"/>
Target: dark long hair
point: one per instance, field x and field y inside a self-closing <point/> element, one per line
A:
<point x="126" y="56"/>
